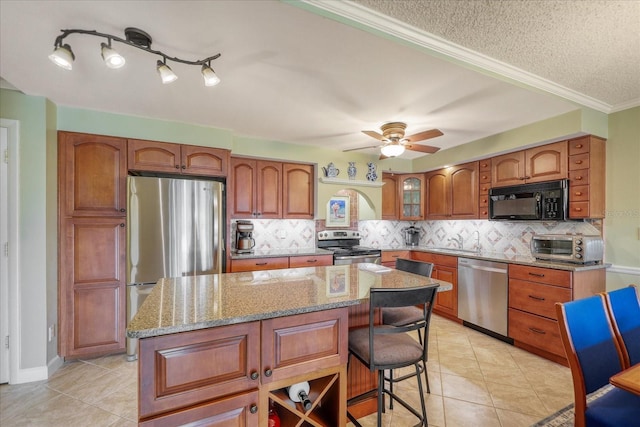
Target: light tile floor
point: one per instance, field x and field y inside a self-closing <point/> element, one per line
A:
<point x="475" y="381"/>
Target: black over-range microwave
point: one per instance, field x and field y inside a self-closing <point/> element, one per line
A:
<point x="542" y="201"/>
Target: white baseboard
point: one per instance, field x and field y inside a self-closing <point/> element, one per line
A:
<point x="39" y="373"/>
<point x="53" y="365"/>
<point x="634" y="271"/>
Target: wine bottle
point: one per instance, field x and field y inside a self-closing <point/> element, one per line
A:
<point x="299" y="392"/>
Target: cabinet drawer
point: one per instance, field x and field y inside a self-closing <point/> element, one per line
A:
<point x="180" y="370"/>
<point x="310" y="261"/>
<point x="236" y="410"/>
<point x="391" y="256"/>
<point x="438" y="259"/>
<point x="579" y="193"/>
<point x="536" y="298"/>
<point x="536" y="331"/>
<point x="579" y="146"/>
<point x="257" y="264"/>
<point x="485" y="177"/>
<point x="579" y="161"/>
<point x="484" y="165"/>
<point x="295" y="345"/>
<point x="540" y="275"/>
<point x="579" y="177"/>
<point x="579" y="209"/>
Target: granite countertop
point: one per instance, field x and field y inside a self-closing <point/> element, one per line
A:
<point x="501" y="257"/>
<point x="272" y="253"/>
<point x="198" y="302"/>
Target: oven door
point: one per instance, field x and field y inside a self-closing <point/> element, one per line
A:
<point x="355" y="259"/>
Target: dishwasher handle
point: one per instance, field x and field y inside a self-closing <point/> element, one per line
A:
<point x="483" y="268"/>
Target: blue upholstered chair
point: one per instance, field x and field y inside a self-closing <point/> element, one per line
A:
<point x="624" y="308"/>
<point x="403" y="316"/>
<point x="595" y="355"/>
<point x="384" y="347"/>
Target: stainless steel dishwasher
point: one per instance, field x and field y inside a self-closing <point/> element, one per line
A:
<point x="483" y="288"/>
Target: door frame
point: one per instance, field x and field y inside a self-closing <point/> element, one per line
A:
<point x="10" y="309"/>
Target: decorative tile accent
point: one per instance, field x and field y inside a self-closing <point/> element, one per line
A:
<point x="282" y="234"/>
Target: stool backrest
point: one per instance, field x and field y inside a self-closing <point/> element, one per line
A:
<point x="624" y="308"/>
<point x="412" y="266"/>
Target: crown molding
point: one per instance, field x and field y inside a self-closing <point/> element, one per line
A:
<point x="452" y="51"/>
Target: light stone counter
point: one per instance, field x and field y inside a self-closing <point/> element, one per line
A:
<point x="271" y="253"/>
<point x="198" y="302"/>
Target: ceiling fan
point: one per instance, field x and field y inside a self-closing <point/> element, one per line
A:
<point x="394" y="142"/>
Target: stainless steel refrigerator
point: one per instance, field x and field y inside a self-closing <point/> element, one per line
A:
<point x="175" y="228"/>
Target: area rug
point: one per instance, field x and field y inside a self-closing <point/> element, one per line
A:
<point x="565" y="416"/>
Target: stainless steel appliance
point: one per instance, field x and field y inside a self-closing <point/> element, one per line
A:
<point x="575" y="248"/>
<point x="345" y="245"/>
<point x="411" y="235"/>
<point x="483" y="296"/>
<point x="542" y="201"/>
<point x="244" y="237"/>
<point x="175" y="228"/>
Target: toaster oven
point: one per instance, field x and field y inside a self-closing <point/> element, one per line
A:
<point x="576" y="248"/>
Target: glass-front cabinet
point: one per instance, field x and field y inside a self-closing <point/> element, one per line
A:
<point x="412" y="197"/>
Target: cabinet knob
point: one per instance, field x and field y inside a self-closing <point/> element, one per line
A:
<point x="578" y="162"/>
<point x="537" y="331"/>
<point x="578" y="178"/>
<point x="578" y="145"/>
<point x="123" y="210"/>
<point x="578" y="193"/>
<point x="268" y="372"/>
<point x="578" y="209"/>
<point x="484" y="212"/>
<point x="177" y="166"/>
<point x="312" y="260"/>
<point x="184" y="167"/>
<point x="253" y="408"/>
<point x="254" y="375"/>
<point x="122" y="224"/>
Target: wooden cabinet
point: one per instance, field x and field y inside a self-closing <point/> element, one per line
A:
<point x="389" y="257"/>
<point x="269" y="189"/>
<point x="256" y="188"/>
<point x="544" y="163"/>
<point x="257" y="264"/>
<point x="310" y="261"/>
<point x="92" y="244"/>
<point x="587" y="156"/>
<point x="412" y="197"/>
<point x="484" y="167"/>
<point x="167" y="157"/>
<point x="452" y="193"/>
<point x="533" y="293"/>
<point x="183" y="379"/>
<point x="298" y="191"/>
<point x="390" y="202"/>
<point x="445" y="267"/>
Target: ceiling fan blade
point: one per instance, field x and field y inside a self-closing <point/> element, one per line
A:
<point x="373" y="134"/>
<point x="422" y="148"/>
<point x="361" y="148"/>
<point x="382" y="157"/>
<point x="421" y="136"/>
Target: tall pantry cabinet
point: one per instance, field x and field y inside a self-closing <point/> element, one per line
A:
<point x="92" y="173"/>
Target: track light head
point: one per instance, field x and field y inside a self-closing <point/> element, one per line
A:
<point x="210" y="77"/>
<point x="63" y="57"/>
<point x="166" y="73"/>
<point x="111" y="57"/>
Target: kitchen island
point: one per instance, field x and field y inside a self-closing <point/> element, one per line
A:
<point x="225" y="347"/>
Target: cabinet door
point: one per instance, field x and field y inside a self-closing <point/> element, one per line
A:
<point x="154" y="156"/>
<point x="310" y="261"/>
<point x="257" y="264"/>
<point x="464" y="191"/>
<point x="438" y="194"/>
<point x="508" y="169"/>
<point x="547" y="162"/>
<point x="92" y="286"/>
<point x="242" y="194"/>
<point x="204" y="161"/>
<point x="298" y="191"/>
<point x="412" y="197"/>
<point x="269" y="189"/>
<point x="92" y="175"/>
<point x="390" y="203"/>
<point x="447" y="302"/>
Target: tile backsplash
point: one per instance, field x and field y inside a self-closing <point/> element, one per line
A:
<point x="510" y="238"/>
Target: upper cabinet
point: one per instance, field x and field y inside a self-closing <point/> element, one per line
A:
<point x="92" y="175"/>
<point x="390" y="203"/>
<point x="298" y="191"/>
<point x="268" y="189"/>
<point x="412" y="197"/>
<point x="484" y="169"/>
<point x="452" y="193"/>
<point x="587" y="177"/>
<point x="544" y="163"/>
<point x="177" y="158"/>
<point x="256" y="190"/>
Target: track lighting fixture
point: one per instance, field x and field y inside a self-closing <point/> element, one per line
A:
<point x="63" y="55"/>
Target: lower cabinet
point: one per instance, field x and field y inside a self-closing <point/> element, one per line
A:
<point x="389" y="257"/>
<point x="445" y="267"/>
<point x="256" y="264"/>
<point x="533" y="293"/>
<point x="231" y="375"/>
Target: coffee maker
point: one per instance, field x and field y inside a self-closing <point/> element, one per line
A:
<point x="244" y="240"/>
<point x="411" y="236"/>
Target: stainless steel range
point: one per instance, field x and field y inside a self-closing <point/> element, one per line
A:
<point x="345" y="245"/>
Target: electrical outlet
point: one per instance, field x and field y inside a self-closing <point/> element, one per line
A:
<point x="52" y="332"/>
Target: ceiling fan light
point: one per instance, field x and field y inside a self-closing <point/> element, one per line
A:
<point x="392" y="150"/>
<point x="210" y="76"/>
<point x="111" y="57"/>
<point x="63" y="57"/>
<point x="166" y="74"/>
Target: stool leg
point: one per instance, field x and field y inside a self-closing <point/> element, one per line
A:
<point x="426" y="378"/>
<point x="380" y="396"/>
<point x="391" y="387"/>
<point x="422" y="404"/>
